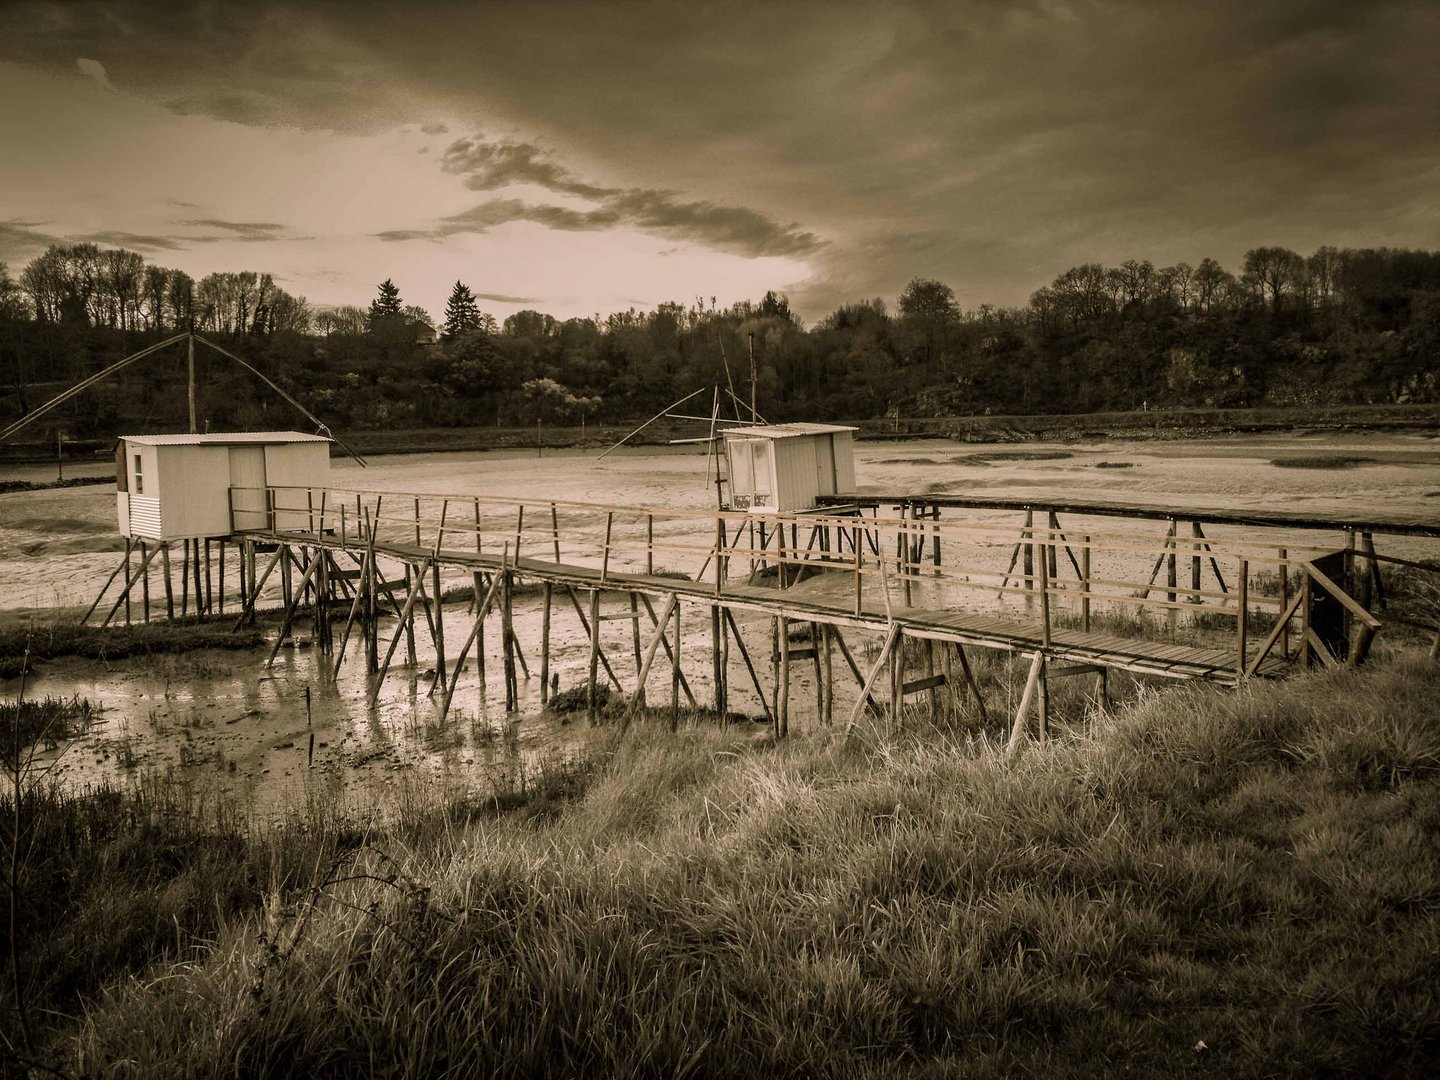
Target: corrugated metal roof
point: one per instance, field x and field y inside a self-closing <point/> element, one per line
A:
<point x="225" y="438"/>
<point x="786" y="431"/>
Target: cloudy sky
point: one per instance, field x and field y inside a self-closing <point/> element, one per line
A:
<point x="584" y="158"/>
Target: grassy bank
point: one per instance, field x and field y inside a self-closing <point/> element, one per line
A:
<point x="46" y="641"/>
<point x="1243" y="884"/>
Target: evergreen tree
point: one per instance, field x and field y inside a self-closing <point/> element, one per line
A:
<point x="385" y="306"/>
<point x="462" y="314"/>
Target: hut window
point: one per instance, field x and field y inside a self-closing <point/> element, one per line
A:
<point x="761" y="450"/>
<point x="139" y="477"/>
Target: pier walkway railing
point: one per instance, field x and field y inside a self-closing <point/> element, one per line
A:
<point x="1085" y="597"/>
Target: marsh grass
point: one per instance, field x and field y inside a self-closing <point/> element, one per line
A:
<point x="48" y="641"/>
<point x="1255" y="870"/>
<point x="49" y="722"/>
<point x="990" y="456"/>
<point x="1321" y="461"/>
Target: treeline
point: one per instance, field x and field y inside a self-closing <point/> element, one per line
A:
<point x="1336" y="327"/>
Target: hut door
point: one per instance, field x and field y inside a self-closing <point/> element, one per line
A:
<point x="247" y="487"/>
<point x="825" y="465"/>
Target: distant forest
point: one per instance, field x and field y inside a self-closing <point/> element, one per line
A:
<point x="1336" y="327"/>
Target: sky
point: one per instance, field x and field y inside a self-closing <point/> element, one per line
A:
<point x="583" y="158"/>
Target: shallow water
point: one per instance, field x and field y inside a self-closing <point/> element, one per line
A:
<point x="223" y="718"/>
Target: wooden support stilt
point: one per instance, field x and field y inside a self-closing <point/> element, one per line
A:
<point x="869" y="682"/>
<point x="406" y="614"/>
<point x="1085" y="585"/>
<point x="817" y="664"/>
<point x="684" y="683"/>
<point x="897" y="677"/>
<point x="1017" y="730"/>
<point x="108" y="582"/>
<point x="591" y="709"/>
<point x="1377" y="584"/>
<point x="1214" y="563"/>
<point x="209" y="595"/>
<point x="749" y="664"/>
<point x="288" y="622"/>
<point x="635" y="641"/>
<point x="971" y="684"/>
<point x="775" y="667"/>
<point x="248" y="613"/>
<point x="476" y="633"/>
<point x="1026" y="539"/>
<point x="870" y="703"/>
<point x="285" y="584"/>
<point x="129" y="582"/>
<point x="827" y="682"/>
<point x="253" y="595"/>
<point x="1284" y="626"/>
<point x="165" y="569"/>
<point x="548" y="593"/>
<point x="124" y="597"/>
<point x="220" y="588"/>
<point x="185" y="578"/>
<point x="934" y="692"/>
<point x="782" y="696"/>
<point x="409" y="624"/>
<point x="1170" y="563"/>
<point x="644" y="672"/>
<point x="585" y="625"/>
<point x="144" y="583"/>
<point x="1364" y="571"/>
<point x="674" y="674"/>
<point x="439" y="623"/>
<point x="1160" y="559"/>
<point x="1051" y="566"/>
<point x="717" y="668"/>
<point x="372" y="592"/>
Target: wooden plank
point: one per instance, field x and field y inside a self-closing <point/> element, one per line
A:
<point x="927" y="683"/>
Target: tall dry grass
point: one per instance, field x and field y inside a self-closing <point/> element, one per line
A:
<point x="1242" y="883"/>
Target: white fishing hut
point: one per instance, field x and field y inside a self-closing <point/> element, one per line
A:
<point x="173" y="487"/>
<point x="784" y="467"/>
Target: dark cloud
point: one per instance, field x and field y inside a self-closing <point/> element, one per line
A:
<point x="19" y="241"/>
<point x="722" y="227"/>
<point x="241" y="230"/>
<point x="133" y="241"/>
<point x="501" y="298"/>
<point x="434" y="129"/>
<point x="989" y="144"/>
<point x="488" y="165"/>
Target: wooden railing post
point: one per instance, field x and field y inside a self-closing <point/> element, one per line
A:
<point x="1085" y="585"/>
<point x="859" y="567"/>
<point x="719" y="555"/>
<point x="1284" y="603"/>
<point x="1242" y="613"/>
<point x="605" y="555"/>
<point x="1042" y="555"/>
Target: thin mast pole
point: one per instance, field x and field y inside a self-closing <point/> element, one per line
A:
<point x="190" y="371"/>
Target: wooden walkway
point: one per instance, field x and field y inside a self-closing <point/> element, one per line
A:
<point x="813" y="576"/>
<point x="961" y="627"/>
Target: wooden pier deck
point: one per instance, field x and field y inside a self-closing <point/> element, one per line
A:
<point x="1073" y="604"/>
<point x="961" y="627"/>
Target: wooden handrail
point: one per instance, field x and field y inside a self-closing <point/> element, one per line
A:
<point x="1345" y="598"/>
